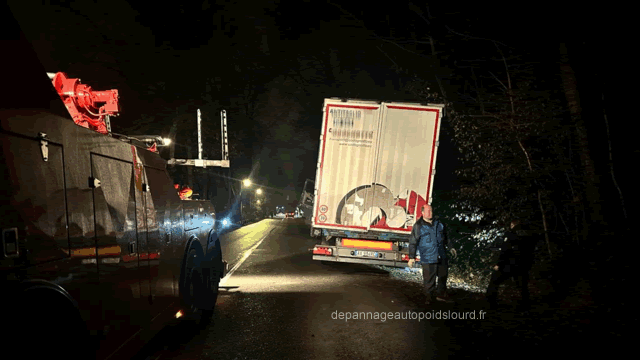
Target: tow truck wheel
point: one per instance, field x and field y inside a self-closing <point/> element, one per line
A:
<point x="191" y="279"/>
<point x="212" y="277"/>
<point x="51" y="323"/>
<point x="212" y="281"/>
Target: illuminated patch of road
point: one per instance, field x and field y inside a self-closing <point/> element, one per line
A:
<point x="289" y="283"/>
<point x="246" y="255"/>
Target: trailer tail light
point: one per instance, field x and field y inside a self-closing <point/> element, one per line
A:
<point x="320" y="250"/>
<point x="405" y="257"/>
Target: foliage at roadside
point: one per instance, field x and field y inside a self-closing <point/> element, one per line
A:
<point x="519" y="160"/>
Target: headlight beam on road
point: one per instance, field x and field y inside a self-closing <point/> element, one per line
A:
<point x="244" y="257"/>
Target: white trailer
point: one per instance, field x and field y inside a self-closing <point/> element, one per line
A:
<point x="376" y="166"/>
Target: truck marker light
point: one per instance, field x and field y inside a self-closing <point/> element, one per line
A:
<point x="179" y="314"/>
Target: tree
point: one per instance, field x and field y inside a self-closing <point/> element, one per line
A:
<point x="591" y="193"/>
<point x="512" y="143"/>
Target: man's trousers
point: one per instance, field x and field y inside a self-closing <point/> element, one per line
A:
<point x="429" y="273"/>
<point x="520" y="275"/>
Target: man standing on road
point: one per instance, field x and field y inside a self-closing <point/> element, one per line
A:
<point x="429" y="236"/>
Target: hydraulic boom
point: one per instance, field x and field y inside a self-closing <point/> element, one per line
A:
<point x="88" y="108"/>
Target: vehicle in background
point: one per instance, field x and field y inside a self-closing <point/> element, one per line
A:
<point x="305" y="208"/>
<point x="280" y="213"/>
<point x="376" y="166"/>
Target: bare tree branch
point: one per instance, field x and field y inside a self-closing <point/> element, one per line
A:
<point x="495" y="77"/>
<point x="418" y="11"/>
<point x="376" y="35"/>
<point x="401" y="47"/>
<point x="544" y="217"/>
<point x="433" y="52"/>
<point x="388" y="57"/>
<point x="398" y="45"/>
<point x="613" y="177"/>
<point x="473" y="37"/>
<point x="508" y="75"/>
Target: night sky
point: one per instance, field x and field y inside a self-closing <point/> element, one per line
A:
<point x="271" y="64"/>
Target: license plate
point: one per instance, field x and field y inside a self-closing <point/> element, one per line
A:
<point x="367" y="253"/>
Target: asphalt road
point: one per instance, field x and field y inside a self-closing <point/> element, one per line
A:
<point x="281" y="304"/>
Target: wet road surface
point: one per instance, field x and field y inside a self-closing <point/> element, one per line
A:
<point x="279" y="303"/>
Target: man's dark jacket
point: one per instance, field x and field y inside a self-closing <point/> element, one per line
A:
<point x="516" y="252"/>
<point x="431" y="240"/>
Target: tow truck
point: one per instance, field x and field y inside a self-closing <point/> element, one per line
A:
<point x="98" y="249"/>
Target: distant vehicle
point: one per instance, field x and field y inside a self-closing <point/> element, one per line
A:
<point x="289" y="215"/>
<point x="280" y="213"/>
<point x="375" y="172"/>
<point x="306" y="201"/>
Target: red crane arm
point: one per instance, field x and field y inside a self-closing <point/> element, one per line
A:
<point x="86" y="106"/>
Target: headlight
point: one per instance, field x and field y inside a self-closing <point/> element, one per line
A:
<point x="225" y="222"/>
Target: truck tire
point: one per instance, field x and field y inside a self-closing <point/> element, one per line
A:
<point x="212" y="281"/>
<point x="213" y="275"/>
<point x="191" y="285"/>
<point x="46" y="323"/>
